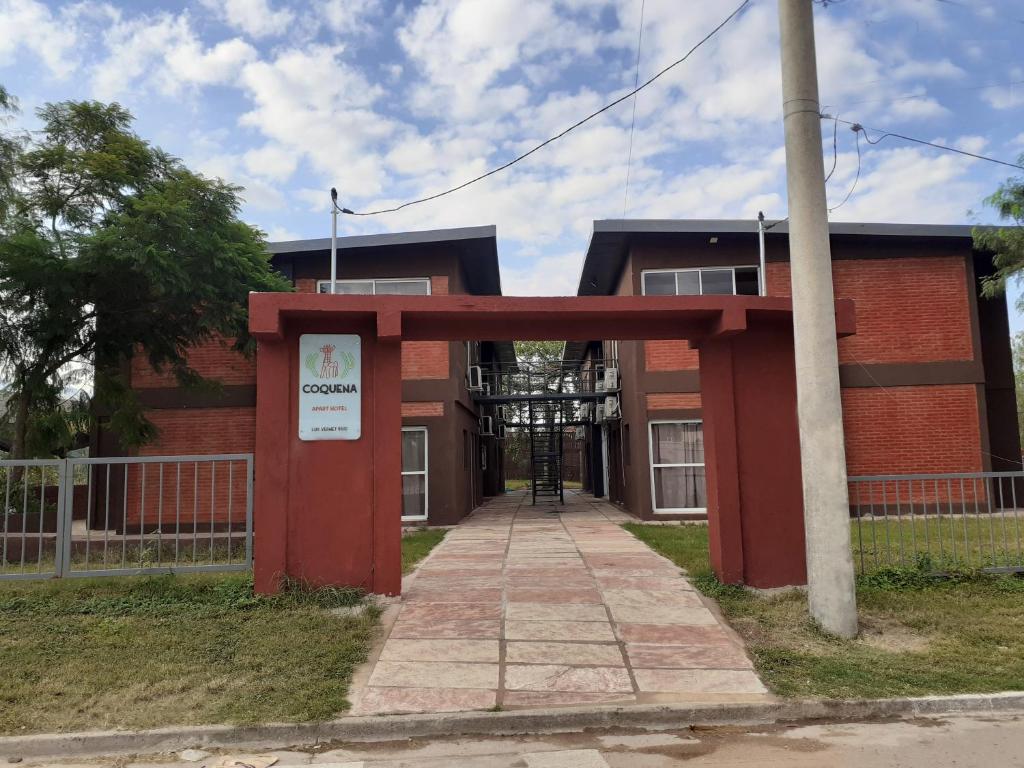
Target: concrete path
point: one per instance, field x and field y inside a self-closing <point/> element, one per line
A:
<point x="523" y="606"/>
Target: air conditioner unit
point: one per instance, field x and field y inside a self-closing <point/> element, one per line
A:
<point x="611" y="407"/>
<point x="581" y="432"/>
<point x="476" y="377"/>
<point x="599" y="378"/>
<point x="611" y="379"/>
<point x="486" y="425"/>
<point x="501" y="431"/>
<point x="585" y="411"/>
<point x="487" y="388"/>
<point x="600" y="413"/>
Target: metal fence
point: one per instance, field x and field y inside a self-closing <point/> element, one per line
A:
<point x="939" y="522"/>
<point x="120" y="516"/>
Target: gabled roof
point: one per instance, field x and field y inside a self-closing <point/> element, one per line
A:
<point x="477" y="248"/>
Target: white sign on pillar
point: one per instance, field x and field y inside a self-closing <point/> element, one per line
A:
<point x="330" y="379"/>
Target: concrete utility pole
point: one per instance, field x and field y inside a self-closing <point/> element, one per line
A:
<point x="830" y="580"/>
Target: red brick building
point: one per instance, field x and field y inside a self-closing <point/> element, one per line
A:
<point x="927" y="381"/>
<point x="449" y="466"/>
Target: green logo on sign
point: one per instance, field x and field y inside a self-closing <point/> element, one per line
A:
<point x="323" y="365"/>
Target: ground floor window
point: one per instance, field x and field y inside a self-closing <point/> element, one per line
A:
<point x="414" y="473"/>
<point x="677" y="466"/>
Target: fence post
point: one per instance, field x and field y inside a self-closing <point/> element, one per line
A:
<point x="65" y="505"/>
<point x="248" y="509"/>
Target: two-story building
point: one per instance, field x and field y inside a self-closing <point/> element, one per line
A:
<point x="927" y="381"/>
<point x="448" y="463"/>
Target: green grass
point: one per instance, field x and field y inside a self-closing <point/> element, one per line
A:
<point x="417" y="544"/>
<point x="136" y="652"/>
<point x="919" y="635"/>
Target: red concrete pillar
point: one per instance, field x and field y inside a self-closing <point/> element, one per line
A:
<point x="271" y="465"/>
<point x="387" y="467"/>
<point x="752" y="445"/>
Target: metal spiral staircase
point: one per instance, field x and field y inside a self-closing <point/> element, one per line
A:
<point x="546" y="425"/>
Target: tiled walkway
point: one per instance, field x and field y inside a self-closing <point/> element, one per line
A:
<point x="523" y="607"/>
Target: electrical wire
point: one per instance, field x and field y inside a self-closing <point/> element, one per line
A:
<point x="856" y="133"/>
<point x="568" y="130"/>
<point x="632" y="121"/>
<point x="835" y="148"/>
<point x="886" y="134"/>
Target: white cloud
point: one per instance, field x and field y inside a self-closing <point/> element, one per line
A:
<point x="165" y="52"/>
<point x="272" y="161"/>
<point x="348" y="17"/>
<point x="257" y="18"/>
<point x="555" y="275"/>
<point x="1004" y="96"/>
<point x="30" y="25"/>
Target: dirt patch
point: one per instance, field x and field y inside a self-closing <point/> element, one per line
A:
<point x="889" y="635"/>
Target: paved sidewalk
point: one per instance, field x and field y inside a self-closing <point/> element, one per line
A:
<point x="520" y="606"/>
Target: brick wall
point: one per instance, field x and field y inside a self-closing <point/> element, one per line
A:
<point x="908" y="310"/>
<point x="670" y="355"/>
<point x="422" y="409"/>
<point x="215" y="360"/>
<point x="662" y="401"/>
<point x="912" y="429"/>
<point x="202" y="430"/>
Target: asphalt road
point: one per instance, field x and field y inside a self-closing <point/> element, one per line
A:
<point x="992" y="742"/>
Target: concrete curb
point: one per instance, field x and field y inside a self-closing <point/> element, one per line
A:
<point x="387" y="728"/>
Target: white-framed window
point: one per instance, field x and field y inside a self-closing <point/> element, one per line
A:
<point x="414" y="473"/>
<point x="404" y="286"/>
<point x="700" y="281"/>
<point x="677" y="466"/>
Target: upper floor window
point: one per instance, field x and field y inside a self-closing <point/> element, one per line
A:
<point x="741" y="281"/>
<point x="405" y="286"/>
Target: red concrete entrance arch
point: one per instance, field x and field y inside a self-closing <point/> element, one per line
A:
<point x="330" y="511"/>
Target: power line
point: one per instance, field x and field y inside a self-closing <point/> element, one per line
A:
<point x="835" y="148"/>
<point x="886" y="134"/>
<point x="856" y="133"/>
<point x="568" y="130"/>
<point x="632" y="121"/>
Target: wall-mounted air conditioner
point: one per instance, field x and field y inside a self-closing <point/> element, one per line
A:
<point x="611" y="407"/>
<point x="501" y="431"/>
<point x="611" y="379"/>
<point x="501" y="413"/>
<point x="486" y="425"/>
<point x="600" y="413"/>
<point x="476" y="378"/>
<point x="487" y="388"/>
<point x="585" y="411"/>
<point x="599" y="377"/>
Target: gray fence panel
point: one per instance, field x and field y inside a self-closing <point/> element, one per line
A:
<point x="938" y="522"/>
<point x="126" y="516"/>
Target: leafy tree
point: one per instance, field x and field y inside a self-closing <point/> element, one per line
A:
<point x="1005" y="243"/>
<point x="1018" y="376"/>
<point x="109" y="248"/>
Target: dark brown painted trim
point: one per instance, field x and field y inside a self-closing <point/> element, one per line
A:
<point x="674" y="414"/>
<point x="655" y="382"/>
<point x="228" y="396"/>
<point x="425" y="390"/>
<point x="983" y="428"/>
<point x="911" y="374"/>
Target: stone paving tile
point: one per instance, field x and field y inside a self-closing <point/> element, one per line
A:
<point x="523" y="607"/>
<point x="515" y="699"/>
<point x="456" y="630"/>
<point x="715" y="656"/>
<point x="573" y="654"/>
<point x="433" y="674"/>
<point x="555" y="612"/>
<point x="557" y="677"/>
<point x="697" y="681"/>
<point x="451" y="611"/>
<point x="564" y="758"/>
<point x="393" y="700"/>
<point x="666" y="614"/>
<point x="672" y="634"/>
<point x="533" y="595"/>
<point x="577" y="631"/>
<point x="487" y="651"/>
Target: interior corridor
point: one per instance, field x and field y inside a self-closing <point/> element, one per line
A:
<point x="523" y="606"/>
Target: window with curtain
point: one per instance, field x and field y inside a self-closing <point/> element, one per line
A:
<point x="414" y="473"/>
<point x="405" y="286"/>
<point x="677" y="466"/>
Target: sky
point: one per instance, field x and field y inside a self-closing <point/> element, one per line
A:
<point x="390" y="101"/>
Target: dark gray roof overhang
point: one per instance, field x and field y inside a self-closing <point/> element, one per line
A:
<point x="477" y="248"/>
